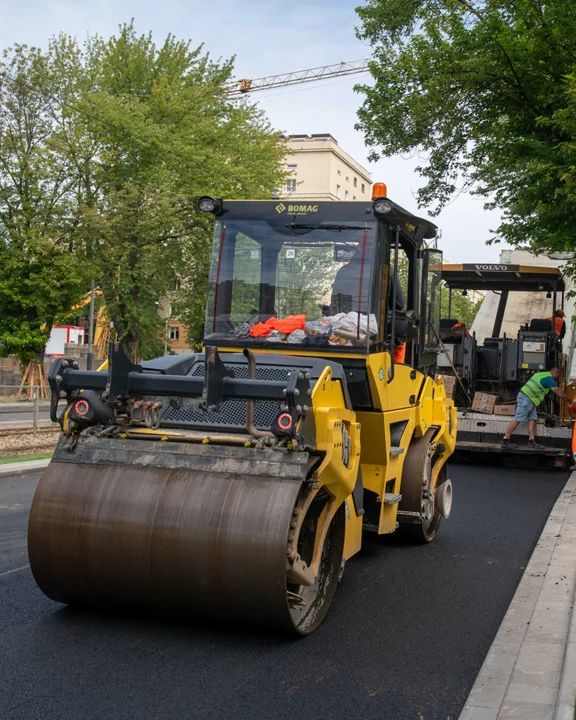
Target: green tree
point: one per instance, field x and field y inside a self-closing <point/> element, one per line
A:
<point x="485" y="89"/>
<point x="40" y="261"/>
<point x="462" y="307"/>
<point x="153" y="130"/>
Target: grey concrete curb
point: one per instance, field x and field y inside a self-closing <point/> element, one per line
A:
<point x="23" y="468"/>
<point x="567" y="691"/>
<point x="524" y="670"/>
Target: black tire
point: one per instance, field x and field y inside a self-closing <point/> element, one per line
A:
<point x="316" y="599"/>
<point x="415" y="475"/>
<point x="424" y="533"/>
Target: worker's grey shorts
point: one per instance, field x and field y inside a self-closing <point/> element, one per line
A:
<point x="525" y="409"/>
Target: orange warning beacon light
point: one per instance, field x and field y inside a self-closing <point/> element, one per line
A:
<point x="379" y="190"/>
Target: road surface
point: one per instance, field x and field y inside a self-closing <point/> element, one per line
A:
<point x="404" y="640"/>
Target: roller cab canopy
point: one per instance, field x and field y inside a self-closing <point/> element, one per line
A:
<point x="287" y="271"/>
<point x="285" y="216"/>
<point x="498" y="277"/>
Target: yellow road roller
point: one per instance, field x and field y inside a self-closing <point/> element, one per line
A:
<point x="235" y="483"/>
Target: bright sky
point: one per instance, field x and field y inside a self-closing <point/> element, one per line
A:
<point x="268" y="37"/>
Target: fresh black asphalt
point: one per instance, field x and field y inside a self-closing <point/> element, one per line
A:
<point x="404" y="640"/>
<point x="15" y="498"/>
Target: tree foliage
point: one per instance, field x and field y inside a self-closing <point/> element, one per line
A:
<point x="486" y="91"/>
<point x="462" y="308"/>
<point x="105" y="148"/>
<point x="157" y="132"/>
<point x="40" y="258"/>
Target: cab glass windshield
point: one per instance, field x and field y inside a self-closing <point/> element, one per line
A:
<point x="291" y="281"/>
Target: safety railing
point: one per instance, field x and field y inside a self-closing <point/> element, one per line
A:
<point x="15" y="399"/>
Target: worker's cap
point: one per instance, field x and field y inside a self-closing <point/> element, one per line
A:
<point x="560" y="312"/>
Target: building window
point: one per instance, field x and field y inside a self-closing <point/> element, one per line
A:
<point x="346" y="195"/>
<point x="355" y="182"/>
<point x="353" y="197"/>
<point x="338" y="191"/>
<point x="292" y="166"/>
<point x="291" y="185"/>
<point x="339" y="172"/>
<point x="347" y="178"/>
<point x="363" y="188"/>
<point x="174" y="333"/>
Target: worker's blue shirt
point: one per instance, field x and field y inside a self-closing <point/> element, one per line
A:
<point x="548" y="382"/>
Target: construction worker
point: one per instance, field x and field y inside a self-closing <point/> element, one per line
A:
<point x="558" y="323"/>
<point x="530" y="396"/>
<point x="348" y="282"/>
<point x="400" y="353"/>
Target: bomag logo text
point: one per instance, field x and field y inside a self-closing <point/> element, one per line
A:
<point x="296" y="209"/>
<point x="301" y="209"/>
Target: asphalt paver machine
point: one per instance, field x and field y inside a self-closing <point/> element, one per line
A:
<point x="500" y="365"/>
<point x="234" y="483"/>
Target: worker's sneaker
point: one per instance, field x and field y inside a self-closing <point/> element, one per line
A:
<point x="534" y="445"/>
<point x="508" y="444"/>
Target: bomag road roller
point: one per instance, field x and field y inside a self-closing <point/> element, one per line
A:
<point x="235" y="483"/>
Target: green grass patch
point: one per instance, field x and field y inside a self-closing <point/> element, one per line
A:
<point x="5" y="459"/>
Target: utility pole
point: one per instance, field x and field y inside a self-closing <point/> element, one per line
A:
<point x="166" y="328"/>
<point x="91" y="329"/>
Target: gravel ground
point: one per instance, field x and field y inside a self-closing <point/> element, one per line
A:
<point x="26" y="441"/>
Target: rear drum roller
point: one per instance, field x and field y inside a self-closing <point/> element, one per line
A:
<point x="417" y="493"/>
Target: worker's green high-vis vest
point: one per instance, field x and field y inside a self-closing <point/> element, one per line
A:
<point x="533" y="390"/>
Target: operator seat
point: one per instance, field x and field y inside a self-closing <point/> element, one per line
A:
<point x="452" y="330"/>
<point x="540" y="325"/>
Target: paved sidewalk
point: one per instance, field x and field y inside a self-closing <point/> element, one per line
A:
<point x="530" y="670"/>
<point x="23" y="468"/>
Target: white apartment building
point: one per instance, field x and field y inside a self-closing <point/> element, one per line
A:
<point x="320" y="170"/>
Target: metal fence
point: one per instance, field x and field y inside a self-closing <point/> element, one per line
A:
<point x="32" y="399"/>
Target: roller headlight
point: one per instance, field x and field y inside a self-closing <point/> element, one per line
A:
<point x="209" y="204"/>
<point x="382" y="207"/>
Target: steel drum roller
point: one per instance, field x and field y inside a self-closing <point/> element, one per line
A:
<point x="175" y="539"/>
